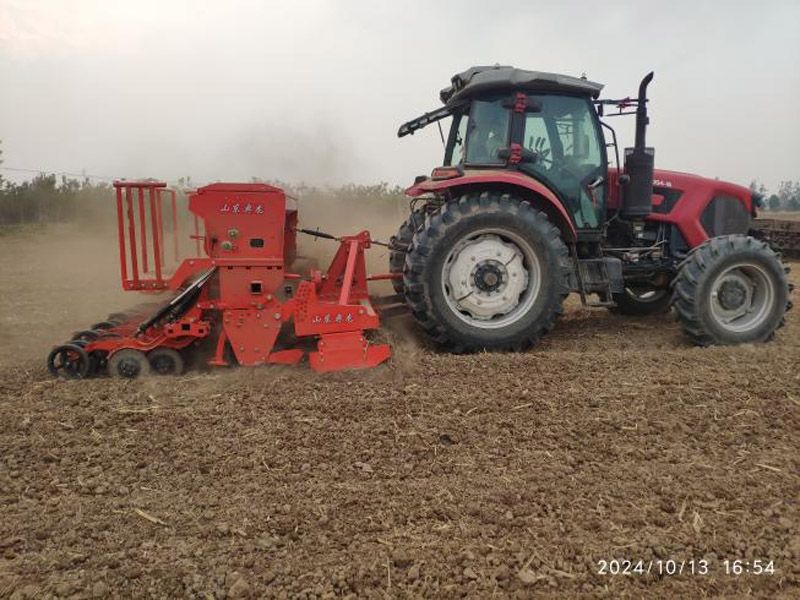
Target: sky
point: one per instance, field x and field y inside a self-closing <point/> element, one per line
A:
<point x="314" y="91"/>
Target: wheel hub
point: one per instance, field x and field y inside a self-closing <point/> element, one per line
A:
<point x="742" y="297"/>
<point x="163" y="365"/>
<point x="129" y="368"/>
<point x="489" y="276"/>
<point x="732" y="294"/>
<point x="486" y="277"/>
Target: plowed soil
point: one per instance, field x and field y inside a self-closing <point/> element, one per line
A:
<point x="434" y="476"/>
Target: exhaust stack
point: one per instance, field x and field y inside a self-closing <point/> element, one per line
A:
<point x="637" y="197"/>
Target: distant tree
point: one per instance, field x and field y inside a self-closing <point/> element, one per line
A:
<point x="758" y="187"/>
<point x="774" y="203"/>
<point x="789" y="194"/>
<point x="785" y="192"/>
<point x="795" y="202"/>
<point x="759" y="192"/>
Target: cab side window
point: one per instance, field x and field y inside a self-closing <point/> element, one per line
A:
<point x="537" y="139"/>
<point x="565" y="140"/>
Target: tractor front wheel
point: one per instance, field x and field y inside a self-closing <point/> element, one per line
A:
<point x="488" y="272"/>
<point x="731" y="290"/>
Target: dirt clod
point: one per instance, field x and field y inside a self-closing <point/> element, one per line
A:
<point x="239" y="589"/>
<point x="100" y="590"/>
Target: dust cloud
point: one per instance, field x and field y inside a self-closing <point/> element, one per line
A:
<point x="336" y="214"/>
<point x="57" y="279"/>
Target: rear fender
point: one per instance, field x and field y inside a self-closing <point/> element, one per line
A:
<point x="510" y="182"/>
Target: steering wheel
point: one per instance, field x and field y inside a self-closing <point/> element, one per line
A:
<point x="543" y="155"/>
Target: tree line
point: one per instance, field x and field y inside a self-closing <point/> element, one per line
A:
<point x="786" y="198"/>
<point x="48" y="198"/>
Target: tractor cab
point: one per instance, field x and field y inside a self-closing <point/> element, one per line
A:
<point x="542" y="125"/>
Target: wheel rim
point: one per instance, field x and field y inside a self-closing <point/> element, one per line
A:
<point x="163" y="365"/>
<point x="165" y="361"/>
<point x="129" y="368"/>
<point x="742" y="297"/>
<point x="491" y="278"/>
<point x="128" y="364"/>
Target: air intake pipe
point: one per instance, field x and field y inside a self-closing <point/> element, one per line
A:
<point x="637" y="192"/>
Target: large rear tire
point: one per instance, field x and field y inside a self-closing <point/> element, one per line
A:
<point x="731" y="290"/>
<point x="488" y="272"/>
<point x="400" y="245"/>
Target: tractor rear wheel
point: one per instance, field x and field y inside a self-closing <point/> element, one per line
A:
<point x="400" y="244"/>
<point x="731" y="290"/>
<point x="488" y="272"/>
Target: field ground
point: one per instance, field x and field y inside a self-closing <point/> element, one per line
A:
<point x="434" y="476"/>
<point x="780" y="214"/>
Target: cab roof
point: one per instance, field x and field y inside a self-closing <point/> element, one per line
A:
<point x="481" y="80"/>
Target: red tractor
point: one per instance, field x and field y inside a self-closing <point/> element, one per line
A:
<point x="526" y="209"/>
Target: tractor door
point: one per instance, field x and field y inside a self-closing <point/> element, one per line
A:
<point x="565" y="135"/>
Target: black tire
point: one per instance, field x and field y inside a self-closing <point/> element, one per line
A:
<point x="87" y="335"/>
<point x="642" y="301"/>
<point x="128" y="364"/>
<point x="165" y="361"/>
<point x="453" y="224"/>
<point x="69" y="361"/>
<point x="400" y="244"/>
<point x="700" y="299"/>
